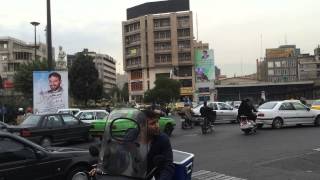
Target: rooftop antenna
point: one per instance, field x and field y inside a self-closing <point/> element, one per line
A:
<point x="261" y="50"/>
<point x="285" y="39"/>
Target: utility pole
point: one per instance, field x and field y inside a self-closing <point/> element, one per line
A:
<point x="49" y="40"/>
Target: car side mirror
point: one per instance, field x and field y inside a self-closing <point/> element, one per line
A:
<point x="40" y="154"/>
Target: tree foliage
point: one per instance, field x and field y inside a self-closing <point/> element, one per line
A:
<point x="23" y="78"/>
<point x="166" y="90"/>
<point x="84" y="79"/>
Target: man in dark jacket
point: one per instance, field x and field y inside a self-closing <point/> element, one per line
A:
<point x="159" y="146"/>
<point x="208" y="112"/>
<point x="246" y="108"/>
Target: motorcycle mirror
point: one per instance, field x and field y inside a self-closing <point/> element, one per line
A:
<point x="94" y="151"/>
<point x="124" y="129"/>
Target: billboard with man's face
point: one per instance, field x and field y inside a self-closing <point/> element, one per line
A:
<point x="50" y="91"/>
<point x="204" y="65"/>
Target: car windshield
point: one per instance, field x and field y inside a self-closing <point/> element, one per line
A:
<point x="268" y="105"/>
<point x="31" y="120"/>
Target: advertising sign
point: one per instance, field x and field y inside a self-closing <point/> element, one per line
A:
<point x="50" y="91"/>
<point x="280" y="53"/>
<point x="204" y="65"/>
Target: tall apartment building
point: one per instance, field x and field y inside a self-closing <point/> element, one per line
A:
<point x="14" y="52"/>
<point x="155" y="45"/>
<point x="282" y="63"/>
<point x="105" y="64"/>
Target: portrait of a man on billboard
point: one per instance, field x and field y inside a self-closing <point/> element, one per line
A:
<point x="50" y="91"/>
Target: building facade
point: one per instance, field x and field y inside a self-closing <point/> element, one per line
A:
<point x="155" y="45"/>
<point x="105" y="64"/>
<point x="14" y="52"/>
<point x="282" y="64"/>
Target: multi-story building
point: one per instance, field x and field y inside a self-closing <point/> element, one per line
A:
<point x="105" y="64"/>
<point x="14" y="52"/>
<point x="309" y="66"/>
<point x="282" y="63"/>
<point x="155" y="45"/>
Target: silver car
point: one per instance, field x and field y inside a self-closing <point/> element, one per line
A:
<point x="225" y="112"/>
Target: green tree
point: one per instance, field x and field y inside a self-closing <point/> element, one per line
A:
<point x="84" y="79"/>
<point x="166" y="90"/>
<point x="23" y="78"/>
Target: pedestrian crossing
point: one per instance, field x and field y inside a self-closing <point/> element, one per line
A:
<point x="208" y="175"/>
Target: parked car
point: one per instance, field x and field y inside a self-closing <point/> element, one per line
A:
<point x="23" y="159"/>
<point x="72" y="111"/>
<point x="224" y="112"/>
<point x="167" y="124"/>
<point x="52" y="128"/>
<point x="288" y="112"/>
<point x="90" y="116"/>
<point x="316" y="104"/>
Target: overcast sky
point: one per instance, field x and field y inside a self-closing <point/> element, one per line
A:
<point x="233" y="28"/>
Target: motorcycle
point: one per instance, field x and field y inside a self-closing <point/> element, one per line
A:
<point x="122" y="156"/>
<point x="186" y="123"/>
<point x="247" y="126"/>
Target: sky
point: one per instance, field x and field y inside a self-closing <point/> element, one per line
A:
<point x="239" y="31"/>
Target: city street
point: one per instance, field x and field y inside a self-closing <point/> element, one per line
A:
<point x="289" y="153"/>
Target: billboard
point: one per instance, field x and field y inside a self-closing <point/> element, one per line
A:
<point x="50" y="91"/>
<point x="204" y="65"/>
<point x="280" y="53"/>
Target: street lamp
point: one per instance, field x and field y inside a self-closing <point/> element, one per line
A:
<point x="35" y="24"/>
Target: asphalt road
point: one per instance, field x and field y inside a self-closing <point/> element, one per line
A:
<point x="289" y="153"/>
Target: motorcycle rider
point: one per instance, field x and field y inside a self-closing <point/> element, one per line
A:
<point x="186" y="110"/>
<point x="207" y="112"/>
<point x="246" y="108"/>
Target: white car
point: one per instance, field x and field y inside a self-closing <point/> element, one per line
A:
<point x="90" y="116"/>
<point x="225" y="112"/>
<point x="72" y="111"/>
<point x="284" y="113"/>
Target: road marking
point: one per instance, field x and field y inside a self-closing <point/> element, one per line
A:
<point x="208" y="175"/>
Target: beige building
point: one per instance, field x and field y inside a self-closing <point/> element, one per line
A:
<point x="14" y="52"/>
<point x="156" y="45"/>
<point x="106" y="67"/>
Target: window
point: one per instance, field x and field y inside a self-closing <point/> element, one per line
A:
<point x="213" y="106"/>
<point x="53" y="121"/>
<point x="101" y="115"/>
<point x="270" y="64"/>
<point x="298" y="106"/>
<point x="136" y="74"/>
<point x="223" y="106"/>
<point x="12" y="151"/>
<point x="270" y="72"/>
<point x="86" y="116"/>
<point x="69" y="120"/>
<point x="136" y="86"/>
<point x="277" y="64"/>
<point x="186" y="82"/>
<point x="286" y="106"/>
<point x="184" y="32"/>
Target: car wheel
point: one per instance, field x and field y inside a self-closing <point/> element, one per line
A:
<point x="78" y="172"/>
<point x="168" y="129"/>
<point x="317" y="121"/>
<point x="46" y="142"/>
<point x="277" y="123"/>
